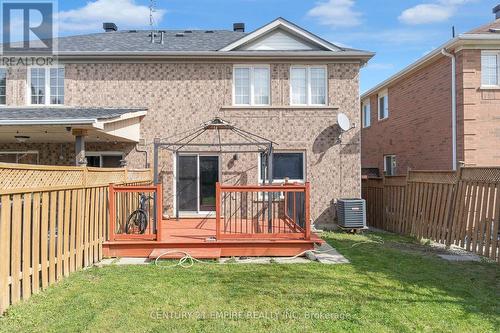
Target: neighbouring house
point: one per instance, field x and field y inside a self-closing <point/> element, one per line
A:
<point x="113" y="93"/>
<point x="439" y="112"/>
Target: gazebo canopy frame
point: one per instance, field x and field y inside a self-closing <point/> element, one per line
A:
<point x="249" y="143"/>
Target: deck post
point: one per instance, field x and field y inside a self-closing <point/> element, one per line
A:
<point x="217" y="210"/>
<point x="159" y="211"/>
<point x="307" y="224"/>
<point x="270" y="194"/>
<point x="177" y="185"/>
<point x="112" y="212"/>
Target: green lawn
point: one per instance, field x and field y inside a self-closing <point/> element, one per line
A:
<point x="395" y="286"/>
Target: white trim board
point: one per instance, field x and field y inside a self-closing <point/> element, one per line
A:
<point x="287" y="26"/>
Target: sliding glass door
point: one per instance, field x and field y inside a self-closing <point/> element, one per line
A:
<point x="197" y="176"/>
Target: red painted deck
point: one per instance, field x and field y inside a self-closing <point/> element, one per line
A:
<point x="198" y="233"/>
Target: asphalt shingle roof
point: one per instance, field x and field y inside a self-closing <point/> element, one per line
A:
<point x="140" y="40"/>
<point x="64" y="113"/>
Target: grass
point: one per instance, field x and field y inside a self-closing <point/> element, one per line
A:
<point x="398" y="285"/>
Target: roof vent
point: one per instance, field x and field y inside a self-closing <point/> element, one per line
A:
<point x="239" y="27"/>
<point x="209" y="32"/>
<point x="180" y="34"/>
<point x="188" y="31"/>
<point x="132" y="31"/>
<point x="496" y="11"/>
<point x="109" y="26"/>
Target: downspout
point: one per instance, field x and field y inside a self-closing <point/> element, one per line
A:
<point x="453" y="107"/>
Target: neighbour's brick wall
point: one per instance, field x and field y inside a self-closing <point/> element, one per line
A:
<point x="418" y="129"/>
<point x="481" y="111"/>
<point x="180" y="96"/>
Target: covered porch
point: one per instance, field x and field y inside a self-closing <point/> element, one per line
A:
<point x="82" y="136"/>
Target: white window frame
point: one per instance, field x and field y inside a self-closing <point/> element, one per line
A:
<point x="101" y="153"/>
<point x="308" y="84"/>
<point x="363" y="118"/>
<point x="17" y="152"/>
<point x="47" y="85"/>
<point x="282" y="181"/>
<point x="251" y="68"/>
<point x="381" y="95"/>
<point x="393" y="161"/>
<point x="497" y="54"/>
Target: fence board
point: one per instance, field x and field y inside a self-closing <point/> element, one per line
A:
<point x="460" y="208"/>
<point x="5" y="250"/>
<point x="26" y="264"/>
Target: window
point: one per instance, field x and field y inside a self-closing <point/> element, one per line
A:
<point x="383" y="106"/>
<point x="389" y="165"/>
<point x="308" y="85"/>
<point x="251" y="85"/>
<point x="46" y="85"/>
<point x="285" y="164"/>
<point x="104" y="159"/>
<point x="3" y="86"/>
<point x="490" y="68"/>
<point x="366" y="114"/>
<point x="23" y="157"/>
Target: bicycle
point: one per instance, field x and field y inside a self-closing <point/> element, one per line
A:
<point x="139" y="217"/>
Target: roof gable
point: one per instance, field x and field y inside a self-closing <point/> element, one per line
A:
<point x="279" y="40"/>
<point x="281" y="35"/>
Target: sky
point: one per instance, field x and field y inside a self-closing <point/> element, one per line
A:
<point x="398" y="31"/>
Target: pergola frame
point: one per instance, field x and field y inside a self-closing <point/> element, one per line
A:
<point x="254" y="142"/>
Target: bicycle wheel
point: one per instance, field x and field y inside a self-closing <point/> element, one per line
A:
<point x="138" y="219"/>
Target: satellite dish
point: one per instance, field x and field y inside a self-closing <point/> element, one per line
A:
<point x="343" y="121"/>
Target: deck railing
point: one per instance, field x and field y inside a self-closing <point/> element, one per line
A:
<point x="124" y="201"/>
<point x="263" y="211"/>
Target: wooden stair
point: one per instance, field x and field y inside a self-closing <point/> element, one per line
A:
<point x="198" y="253"/>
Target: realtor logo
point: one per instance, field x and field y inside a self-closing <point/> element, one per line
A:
<point x="27" y="26"/>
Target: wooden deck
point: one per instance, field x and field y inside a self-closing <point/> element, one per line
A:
<point x="199" y="233"/>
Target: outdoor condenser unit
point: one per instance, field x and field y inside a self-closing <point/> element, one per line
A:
<point x="351" y="213"/>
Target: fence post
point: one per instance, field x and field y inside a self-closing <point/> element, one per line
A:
<point x="217" y="210"/>
<point x="307" y="226"/>
<point x="451" y="223"/>
<point x="112" y="212"/>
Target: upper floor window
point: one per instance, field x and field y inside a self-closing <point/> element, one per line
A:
<point x="490" y="69"/>
<point x="308" y="85"/>
<point x="251" y="85"/>
<point x="46" y="85"/>
<point x="3" y="86"/>
<point x="366" y="114"/>
<point x="383" y="106"/>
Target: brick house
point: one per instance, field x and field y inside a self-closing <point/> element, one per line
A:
<point x="113" y="93"/>
<point x="410" y="120"/>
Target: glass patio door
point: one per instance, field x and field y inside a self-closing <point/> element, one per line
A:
<point x="198" y="175"/>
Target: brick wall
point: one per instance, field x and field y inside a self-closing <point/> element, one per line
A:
<point x="180" y="96"/>
<point x="481" y="111"/>
<point x="418" y="129"/>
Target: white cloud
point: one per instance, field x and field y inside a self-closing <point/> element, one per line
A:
<point x="336" y="13"/>
<point x="125" y="13"/>
<point x="425" y="13"/>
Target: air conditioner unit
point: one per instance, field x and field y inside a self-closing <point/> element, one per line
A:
<point x="351" y="213"/>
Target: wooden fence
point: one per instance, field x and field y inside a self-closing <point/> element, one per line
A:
<point x="460" y="208"/>
<point x="50" y="231"/>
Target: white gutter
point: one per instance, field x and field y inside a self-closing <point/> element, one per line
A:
<point x="47" y="121"/>
<point x="453" y="108"/>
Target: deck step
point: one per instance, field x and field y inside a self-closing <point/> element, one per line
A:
<point x="198" y="253"/>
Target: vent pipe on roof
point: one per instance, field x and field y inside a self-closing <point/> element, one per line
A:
<point x="496" y="11"/>
<point x="162" y="36"/>
<point x="239" y="27"/>
<point x="109" y="26"/>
